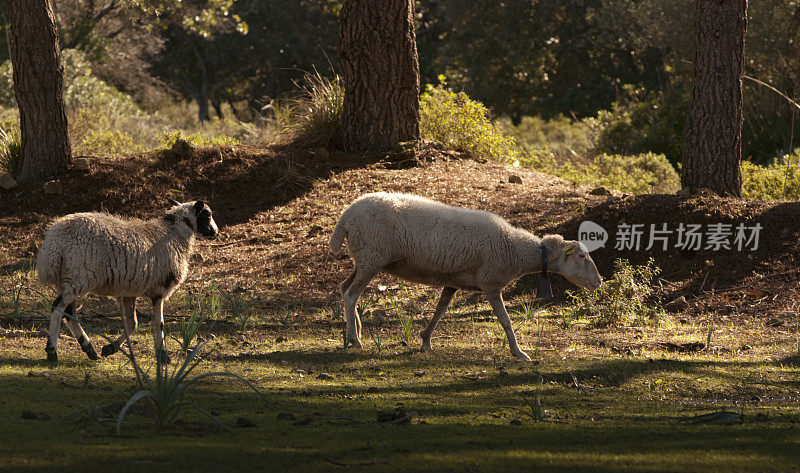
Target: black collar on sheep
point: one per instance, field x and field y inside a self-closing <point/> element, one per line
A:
<point x="544" y="291"/>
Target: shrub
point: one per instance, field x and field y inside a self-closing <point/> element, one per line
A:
<point x="10" y="150"/>
<point x="638" y="174"/>
<point x="455" y="121"/>
<point x="623" y="300"/>
<point x="641" y="123"/>
<point x="313" y="118"/>
<point x="168" y="138"/>
<point x="565" y="138"/>
<point x="774" y="181"/>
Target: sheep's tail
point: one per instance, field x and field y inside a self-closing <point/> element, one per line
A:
<point x="339" y="234"/>
<point x="48" y="264"/>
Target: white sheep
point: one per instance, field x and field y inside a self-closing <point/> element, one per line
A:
<point x="126" y="258"/>
<point x="432" y="243"/>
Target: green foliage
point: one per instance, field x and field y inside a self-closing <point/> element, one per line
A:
<point x="167" y="390"/>
<point x="567" y="139"/>
<point x="639" y="174"/>
<point x="774" y="181"/>
<point x="406" y="321"/>
<point x="204" y="308"/>
<point x="641" y="123"/>
<point x="197" y="139"/>
<point x="455" y="121"/>
<point x="314" y="117"/>
<point x="239" y="305"/>
<point x="623" y="300"/>
<point x="10" y="150"/>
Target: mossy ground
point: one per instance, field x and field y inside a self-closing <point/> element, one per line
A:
<point x="630" y="413"/>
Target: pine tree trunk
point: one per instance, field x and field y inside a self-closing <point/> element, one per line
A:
<point x="380" y="70"/>
<point x="713" y="131"/>
<point x="38" y="85"/>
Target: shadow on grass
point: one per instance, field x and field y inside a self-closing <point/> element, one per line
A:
<point x="651" y="442"/>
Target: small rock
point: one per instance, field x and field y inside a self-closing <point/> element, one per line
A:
<point x="398" y="416"/>
<point x="600" y="191"/>
<point x="678" y="305"/>
<point x="514" y="179"/>
<point x="80" y="164"/>
<point x="419" y="373"/>
<point x="52" y="188"/>
<point x="7" y="182"/>
<point x="325" y="377"/>
<point x="34" y="374"/>
<point x="28" y="415"/>
<point x="286" y="416"/>
<point x="515" y="422"/>
<point x="245" y="423"/>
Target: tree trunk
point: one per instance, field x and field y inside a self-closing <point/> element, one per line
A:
<point x="38" y="85"/>
<point x="713" y="132"/>
<point x="380" y="69"/>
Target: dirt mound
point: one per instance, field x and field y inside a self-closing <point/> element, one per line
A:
<point x="769" y="272"/>
<point x="276" y="208"/>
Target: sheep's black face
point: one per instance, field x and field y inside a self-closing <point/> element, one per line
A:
<point x="206" y="226"/>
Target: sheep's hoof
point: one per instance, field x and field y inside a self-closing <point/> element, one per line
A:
<point x="522" y="356"/>
<point x="52" y="356"/>
<point x="91" y="353"/>
<point x="109" y="350"/>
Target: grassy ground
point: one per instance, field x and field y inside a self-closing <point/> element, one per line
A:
<point x="474" y="404"/>
<point x="612" y="399"/>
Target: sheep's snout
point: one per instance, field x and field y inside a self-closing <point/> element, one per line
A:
<point x="206" y="225"/>
<point x="210" y="231"/>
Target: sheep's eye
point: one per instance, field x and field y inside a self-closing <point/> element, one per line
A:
<point x="581" y="255"/>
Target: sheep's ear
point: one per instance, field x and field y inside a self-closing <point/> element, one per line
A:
<point x="198" y="206"/>
<point x="173" y="202"/>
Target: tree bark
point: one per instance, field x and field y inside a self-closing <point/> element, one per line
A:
<point x="713" y="132"/>
<point x="38" y="85"/>
<point x="380" y="70"/>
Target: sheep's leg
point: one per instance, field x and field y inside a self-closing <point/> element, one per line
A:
<point x="346" y="283"/>
<point x="57" y="311"/>
<point x="127" y="305"/>
<point x="357" y="285"/>
<point x="496" y="300"/>
<point x="77" y="331"/>
<point x="441" y="307"/>
<point x="158" y="330"/>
